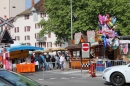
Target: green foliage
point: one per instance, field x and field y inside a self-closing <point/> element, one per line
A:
<point x="22" y="43"/>
<point x="85" y="16"/>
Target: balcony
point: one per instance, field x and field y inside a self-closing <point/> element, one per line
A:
<point x="41" y="39"/>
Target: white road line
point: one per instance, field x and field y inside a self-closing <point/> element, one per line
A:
<point x="64" y="78"/>
<point x="73" y="77"/>
<point x="52" y="78"/>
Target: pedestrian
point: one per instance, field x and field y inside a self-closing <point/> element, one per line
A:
<point x="53" y="61"/>
<point x="62" y="61"/>
<point x="48" y="60"/>
<point x="57" y="61"/>
<point x="36" y="63"/>
<point x="43" y="61"/>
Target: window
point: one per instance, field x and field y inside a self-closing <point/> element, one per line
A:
<point x="27" y="28"/>
<point x="16" y="29"/>
<point x="36" y="25"/>
<point x="44" y="14"/>
<point x="41" y="15"/>
<point x="27" y="37"/>
<point x="49" y="35"/>
<point x="76" y="54"/>
<point x="36" y="35"/>
<point x="49" y="44"/>
<point x="26" y="17"/>
<point x="17" y="38"/>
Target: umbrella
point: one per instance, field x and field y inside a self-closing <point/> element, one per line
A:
<point x="24" y="47"/>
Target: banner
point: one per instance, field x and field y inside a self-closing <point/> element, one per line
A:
<point x="91" y="36"/>
<point x="19" y="54"/>
<point x="77" y="37"/>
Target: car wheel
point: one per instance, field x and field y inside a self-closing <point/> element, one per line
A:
<point x="117" y="79"/>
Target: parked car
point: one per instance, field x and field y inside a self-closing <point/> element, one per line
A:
<point x="117" y="75"/>
<point x="9" y="78"/>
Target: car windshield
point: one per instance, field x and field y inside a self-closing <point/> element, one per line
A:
<point x="17" y="79"/>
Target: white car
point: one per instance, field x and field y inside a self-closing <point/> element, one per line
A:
<point x="117" y="75"/>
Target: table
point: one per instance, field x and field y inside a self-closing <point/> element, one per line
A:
<point x="25" y="68"/>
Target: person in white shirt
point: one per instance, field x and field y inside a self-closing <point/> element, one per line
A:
<point x="62" y="60"/>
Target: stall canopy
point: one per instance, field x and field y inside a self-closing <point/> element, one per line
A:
<point x="24" y="47"/>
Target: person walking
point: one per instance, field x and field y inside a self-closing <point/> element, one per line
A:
<point x="48" y="60"/>
<point x="62" y="61"/>
<point x="43" y="61"/>
<point x="53" y="61"/>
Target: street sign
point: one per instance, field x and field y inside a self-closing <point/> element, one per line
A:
<point x="86" y="50"/>
<point x="5" y="37"/>
<point x="3" y="22"/>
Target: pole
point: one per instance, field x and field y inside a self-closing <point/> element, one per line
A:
<point x="71" y="20"/>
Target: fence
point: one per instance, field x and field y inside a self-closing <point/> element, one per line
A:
<point x="101" y="65"/>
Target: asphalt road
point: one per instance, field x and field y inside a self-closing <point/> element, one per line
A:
<point x="66" y="78"/>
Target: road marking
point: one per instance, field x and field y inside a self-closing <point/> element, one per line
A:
<point x="73" y="77"/>
<point x="64" y="78"/>
<point x="41" y="79"/>
<point x="52" y="78"/>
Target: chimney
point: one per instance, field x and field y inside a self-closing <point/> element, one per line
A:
<point x="33" y="3"/>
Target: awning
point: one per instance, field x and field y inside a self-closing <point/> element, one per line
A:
<point x="24" y="47"/>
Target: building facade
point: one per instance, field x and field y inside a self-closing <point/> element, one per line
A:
<point x="26" y="28"/>
<point x="11" y="8"/>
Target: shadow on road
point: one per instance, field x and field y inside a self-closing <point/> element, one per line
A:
<point x="110" y="84"/>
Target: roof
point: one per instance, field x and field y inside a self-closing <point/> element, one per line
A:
<point x="75" y="46"/>
<point x="38" y="6"/>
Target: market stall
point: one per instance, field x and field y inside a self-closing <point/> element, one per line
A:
<point x="21" y="59"/>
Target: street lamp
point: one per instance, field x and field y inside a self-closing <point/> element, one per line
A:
<point x="71" y="20"/>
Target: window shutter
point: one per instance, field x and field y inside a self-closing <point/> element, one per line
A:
<point x="47" y="44"/>
<point x="35" y="44"/>
<point x="51" y="44"/>
<point x="35" y="35"/>
<point x="18" y="29"/>
<point x="60" y="44"/>
<point x="29" y="28"/>
<point x="44" y="14"/>
<point x="28" y="37"/>
<point x="35" y="25"/>
<point x="24" y="29"/>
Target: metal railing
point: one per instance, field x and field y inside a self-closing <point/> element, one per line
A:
<point x="101" y="65"/>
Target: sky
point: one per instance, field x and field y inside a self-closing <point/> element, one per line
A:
<point x="28" y="3"/>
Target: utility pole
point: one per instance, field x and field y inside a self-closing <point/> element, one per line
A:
<point x="71" y="20"/>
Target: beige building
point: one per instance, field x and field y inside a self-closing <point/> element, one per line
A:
<point x="10" y="8"/>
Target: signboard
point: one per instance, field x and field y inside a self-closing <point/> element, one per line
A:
<point x="19" y="54"/>
<point x="91" y="36"/>
<point x="77" y="37"/>
<point x="85" y="50"/>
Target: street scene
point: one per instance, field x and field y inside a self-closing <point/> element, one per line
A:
<point x="64" y="43"/>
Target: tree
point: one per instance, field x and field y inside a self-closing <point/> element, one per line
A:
<point x="85" y="16"/>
